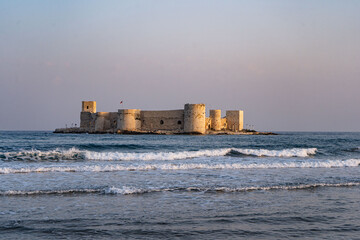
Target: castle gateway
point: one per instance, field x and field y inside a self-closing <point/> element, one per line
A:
<point x="190" y="120"/>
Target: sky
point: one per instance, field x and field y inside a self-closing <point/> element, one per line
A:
<point x="290" y="65"/>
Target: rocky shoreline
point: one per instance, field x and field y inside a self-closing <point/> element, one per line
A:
<point x="161" y="132"/>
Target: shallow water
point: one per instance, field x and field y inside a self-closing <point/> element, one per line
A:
<point x="304" y="185"/>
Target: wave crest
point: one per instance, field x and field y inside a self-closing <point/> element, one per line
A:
<point x="293" y="152"/>
<point x="76" y="154"/>
<point x="184" y="166"/>
<point x="36" y="155"/>
<point x="125" y="190"/>
<point x="156" y="155"/>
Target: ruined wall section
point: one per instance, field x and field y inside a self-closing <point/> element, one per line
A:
<point x="194" y="118"/>
<point x="129" y="120"/>
<point x="172" y="120"/>
<point x="215" y="120"/>
<point x="235" y="120"/>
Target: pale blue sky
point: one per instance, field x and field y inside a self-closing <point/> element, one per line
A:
<point x="290" y="65"/>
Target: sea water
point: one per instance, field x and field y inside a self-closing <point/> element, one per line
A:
<point x="81" y="186"/>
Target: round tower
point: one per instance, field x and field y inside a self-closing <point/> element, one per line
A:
<point x="102" y="122"/>
<point x="215" y="120"/>
<point x="194" y="118"/>
<point x="129" y="120"/>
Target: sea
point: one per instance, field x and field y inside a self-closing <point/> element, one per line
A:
<point x="295" y="185"/>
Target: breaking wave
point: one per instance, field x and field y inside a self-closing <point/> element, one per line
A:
<point x="133" y="190"/>
<point x="48" y="192"/>
<point x="156" y="155"/>
<point x="184" y="166"/>
<point x="293" y="152"/>
<point x="36" y="155"/>
<point x="75" y="154"/>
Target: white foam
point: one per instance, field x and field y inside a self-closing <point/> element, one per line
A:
<point x="278" y="187"/>
<point x="125" y="190"/>
<point x="307" y="164"/>
<point x="76" y="154"/>
<point x="48" y="192"/>
<point x="35" y="155"/>
<point x="293" y="152"/>
<point x="185" y="166"/>
<point x="131" y="190"/>
<point x="156" y="155"/>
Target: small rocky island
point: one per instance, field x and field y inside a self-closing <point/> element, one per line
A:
<point x="190" y="120"/>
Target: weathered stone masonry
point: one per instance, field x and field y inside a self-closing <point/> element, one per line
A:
<point x="189" y="120"/>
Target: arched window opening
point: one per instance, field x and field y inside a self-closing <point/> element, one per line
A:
<point x="179" y="122"/>
<point x="161" y="122"/>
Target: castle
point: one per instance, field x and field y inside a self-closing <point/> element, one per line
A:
<point x="190" y="120"/>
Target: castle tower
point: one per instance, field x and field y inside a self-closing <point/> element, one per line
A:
<point x="215" y="120"/>
<point x="194" y="118"/>
<point x="88" y="106"/>
<point x="235" y="120"/>
<point x="129" y="120"/>
<point x="87" y="110"/>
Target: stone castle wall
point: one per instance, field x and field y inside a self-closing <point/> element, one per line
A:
<point x="85" y="120"/>
<point x="106" y="121"/>
<point x="98" y="122"/>
<point x="191" y="119"/>
<point x="172" y="120"/>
